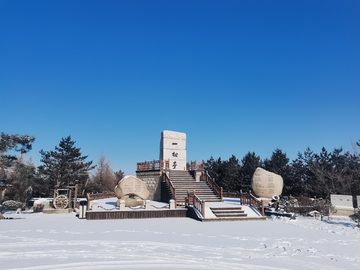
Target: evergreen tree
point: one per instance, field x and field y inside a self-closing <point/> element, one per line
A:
<point x="279" y="164"/>
<point x="232" y="180"/>
<point x="119" y="175"/>
<point x="22" y="179"/>
<point x="249" y="163"/>
<point x="216" y="169"/>
<point x="19" y="143"/>
<point x="64" y="166"/>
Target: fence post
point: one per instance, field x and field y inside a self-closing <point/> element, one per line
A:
<point x="203" y="209"/>
<point x="88" y="201"/>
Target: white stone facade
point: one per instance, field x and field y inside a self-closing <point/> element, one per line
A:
<point x="173" y="148"/>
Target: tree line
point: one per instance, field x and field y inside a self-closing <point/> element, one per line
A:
<point x="62" y="167"/>
<point x="310" y="174"/>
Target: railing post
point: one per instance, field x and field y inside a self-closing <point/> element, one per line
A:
<point x="194" y="197"/>
<point x="262" y="207"/>
<point x="175" y="192"/>
<point x="203" y="209"/>
<point x="222" y="194"/>
<point x="88" y="202"/>
<point x="188" y="198"/>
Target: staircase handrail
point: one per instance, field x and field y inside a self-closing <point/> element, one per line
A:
<point x="251" y="200"/>
<point x="193" y="199"/>
<point x="218" y="190"/>
<point x="167" y="179"/>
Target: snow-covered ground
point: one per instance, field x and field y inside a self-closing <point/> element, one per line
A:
<point x="43" y="241"/>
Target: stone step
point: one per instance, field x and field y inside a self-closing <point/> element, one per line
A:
<point x="230" y="215"/>
<point x="225" y="208"/>
<point x="229" y="212"/>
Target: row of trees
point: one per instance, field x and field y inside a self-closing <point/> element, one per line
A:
<point x="310" y="174"/>
<point x="62" y="167"/>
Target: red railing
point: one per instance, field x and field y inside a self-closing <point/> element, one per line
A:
<point x="167" y="179"/>
<point x="193" y="199"/>
<point x="195" y="165"/>
<point x="251" y="200"/>
<point x="153" y="165"/>
<point x="218" y="190"/>
<point x="96" y="196"/>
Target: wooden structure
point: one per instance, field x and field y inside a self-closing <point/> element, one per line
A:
<point x="96" y="196"/>
<point x="215" y="187"/>
<point x="165" y="165"/>
<point x="153" y="165"/>
<point x="194" y="200"/>
<point x="195" y="165"/>
<point x="251" y="200"/>
<point x="138" y="214"/>
<point x="63" y="198"/>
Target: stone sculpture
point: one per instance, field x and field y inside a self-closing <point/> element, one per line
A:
<point x="132" y="190"/>
<point x="266" y="184"/>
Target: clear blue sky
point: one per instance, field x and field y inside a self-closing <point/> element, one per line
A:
<point x="235" y="76"/>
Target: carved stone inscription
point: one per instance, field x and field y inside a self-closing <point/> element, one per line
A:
<point x="132" y="186"/>
<point x="266" y="184"/>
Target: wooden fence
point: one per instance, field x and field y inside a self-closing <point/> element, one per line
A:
<point x="153" y="165"/>
<point x="251" y="200"/>
<point x="137" y="214"/>
<point x="96" y="196"/>
<point x="195" y="165"/>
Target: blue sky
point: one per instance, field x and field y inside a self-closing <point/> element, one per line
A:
<point x="235" y="76"/>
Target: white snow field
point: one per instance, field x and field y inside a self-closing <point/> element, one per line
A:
<point x="49" y="241"/>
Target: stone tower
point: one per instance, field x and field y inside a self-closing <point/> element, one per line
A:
<point x="173" y="148"/>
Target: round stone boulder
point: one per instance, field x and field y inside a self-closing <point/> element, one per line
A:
<point x="130" y="186"/>
<point x="266" y="184"/>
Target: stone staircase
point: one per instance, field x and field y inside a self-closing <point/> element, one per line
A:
<point x="183" y="181"/>
<point x="228" y="212"/>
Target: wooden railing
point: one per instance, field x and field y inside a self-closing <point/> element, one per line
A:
<point x="153" y="165"/>
<point x="193" y="199"/>
<point x="251" y="200"/>
<point x="167" y="179"/>
<point x="195" y="165"/>
<point x="218" y="190"/>
<point x="231" y="194"/>
<point x="96" y="196"/>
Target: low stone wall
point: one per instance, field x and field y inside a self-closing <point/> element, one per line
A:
<point x="152" y="180"/>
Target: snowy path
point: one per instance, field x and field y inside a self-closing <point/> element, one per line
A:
<point x="39" y="241"/>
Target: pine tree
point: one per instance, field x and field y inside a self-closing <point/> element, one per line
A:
<point x="64" y="166"/>
<point x="232" y="179"/>
<point x="249" y="163"/>
<point x="279" y="164"/>
<point x="19" y="143"/>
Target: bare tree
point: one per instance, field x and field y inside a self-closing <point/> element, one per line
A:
<point x="104" y="175"/>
